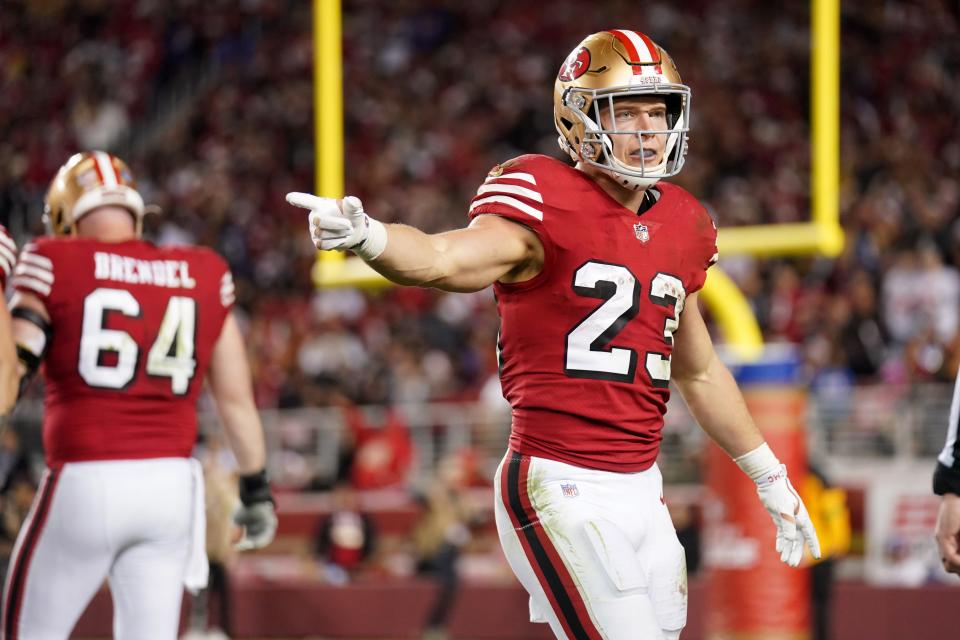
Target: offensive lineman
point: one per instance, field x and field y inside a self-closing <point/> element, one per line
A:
<point x="126" y="332"/>
<point x="596" y="269"/>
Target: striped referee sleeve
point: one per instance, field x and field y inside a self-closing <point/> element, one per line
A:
<point x="946" y="478"/>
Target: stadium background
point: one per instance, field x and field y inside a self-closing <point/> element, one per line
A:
<point x="394" y="390"/>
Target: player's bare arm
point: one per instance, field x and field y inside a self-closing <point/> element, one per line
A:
<point x="232" y="388"/>
<point x="946" y="484"/>
<point x="470" y="259"/>
<point x="714" y="399"/>
<point x="947" y="532"/>
<point x="9" y="367"/>
<point x="707" y="386"/>
<point x="9" y="378"/>
<point x="491" y="249"/>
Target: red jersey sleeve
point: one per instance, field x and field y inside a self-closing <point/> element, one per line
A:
<point x="228" y="294"/>
<point x="8" y="256"/>
<point x="220" y="297"/>
<point x="523" y="190"/>
<point x="512" y="190"/>
<point x="35" y="272"/>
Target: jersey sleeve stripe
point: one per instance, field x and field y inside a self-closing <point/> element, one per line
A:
<point x="509" y="188"/>
<point x="227" y="290"/>
<point x="8" y="256"/>
<point x="7" y="241"/>
<point x="510" y="202"/>
<point x="36" y="260"/>
<point x="34" y="272"/>
<point x="714" y="258"/>
<point x="32" y="284"/>
<point x="526" y="177"/>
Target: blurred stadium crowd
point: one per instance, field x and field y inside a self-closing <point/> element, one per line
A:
<point x="211" y="103"/>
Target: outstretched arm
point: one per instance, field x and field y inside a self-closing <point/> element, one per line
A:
<point x="469" y="259"/>
<point x="718" y="406"/>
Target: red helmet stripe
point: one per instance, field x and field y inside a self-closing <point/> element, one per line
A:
<point x="631" y="50"/>
<point x="632" y="41"/>
<point x="652" y="48"/>
<point x="106" y="169"/>
<point x="96" y="167"/>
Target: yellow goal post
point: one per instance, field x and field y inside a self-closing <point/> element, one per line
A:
<point x="822" y="235"/>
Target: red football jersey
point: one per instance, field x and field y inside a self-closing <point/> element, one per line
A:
<point x="585" y="345"/>
<point x="134" y="326"/>
<point x="8" y="256"/>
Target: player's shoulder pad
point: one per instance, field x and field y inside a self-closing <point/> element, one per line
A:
<point x="687" y="203"/>
<point x="195" y="252"/>
<point x="678" y="193"/>
<point x="520" y="188"/>
<point x="530" y="163"/>
<point x="48" y="245"/>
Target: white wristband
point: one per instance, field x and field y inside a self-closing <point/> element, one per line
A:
<point x="376" y="242"/>
<point x="758" y="463"/>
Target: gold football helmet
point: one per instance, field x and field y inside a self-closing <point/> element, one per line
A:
<point x="89" y="180"/>
<point x="609" y="65"/>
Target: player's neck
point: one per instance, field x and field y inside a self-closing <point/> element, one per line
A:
<point x="107" y="224"/>
<point x="108" y="236"/>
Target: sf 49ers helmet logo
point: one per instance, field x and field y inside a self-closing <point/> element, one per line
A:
<point x="576" y="65"/>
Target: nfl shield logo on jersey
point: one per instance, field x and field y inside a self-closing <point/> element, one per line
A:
<point x="641" y="231"/>
<point x="569" y="490"/>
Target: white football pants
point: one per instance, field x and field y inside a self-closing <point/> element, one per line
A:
<point x="596" y="550"/>
<point x="133" y="522"/>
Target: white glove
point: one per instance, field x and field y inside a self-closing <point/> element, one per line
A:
<point x="341" y="227"/>
<point x="782" y="502"/>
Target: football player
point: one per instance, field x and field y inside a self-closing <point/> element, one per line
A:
<point x="8" y="355"/>
<point x="126" y="332"/>
<point x="946" y="483"/>
<point x="596" y="269"/>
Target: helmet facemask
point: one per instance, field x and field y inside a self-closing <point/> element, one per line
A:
<point x="596" y="148"/>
